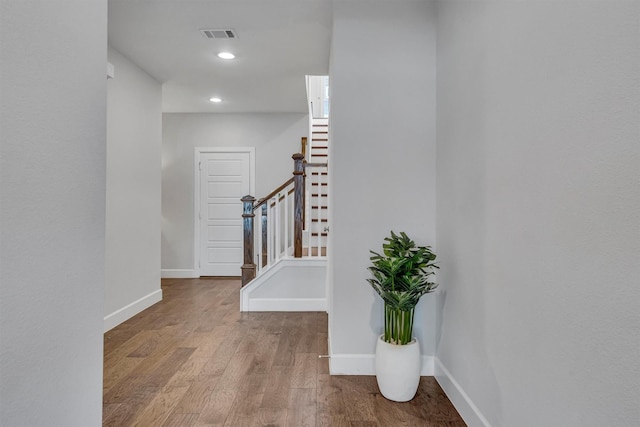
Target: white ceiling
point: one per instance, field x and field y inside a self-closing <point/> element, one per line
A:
<point x="279" y="42"/>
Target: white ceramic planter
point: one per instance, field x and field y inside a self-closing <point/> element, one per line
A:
<point x="398" y="369"/>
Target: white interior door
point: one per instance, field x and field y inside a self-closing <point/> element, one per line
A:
<point x="225" y="177"/>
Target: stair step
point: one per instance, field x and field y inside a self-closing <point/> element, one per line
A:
<point x="319" y="207"/>
<point x="319" y="173"/>
<point x="319" y="183"/>
<point x="320" y="220"/>
<point x="314" y="251"/>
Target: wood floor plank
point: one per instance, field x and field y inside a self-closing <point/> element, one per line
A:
<point x="307" y="342"/>
<point x="160" y="407"/>
<point x="169" y="366"/>
<point x="236" y="372"/>
<point x="286" y="346"/>
<point x="115" y="338"/>
<point x="302" y="408"/>
<point x="244" y="411"/>
<point x="196" y="396"/>
<point x="194" y="360"/>
<point x="136" y="401"/>
<point x="358" y="396"/>
<point x="305" y="370"/>
<point x="180" y="420"/>
<point x="330" y="403"/>
<point x="110" y="409"/>
<point x="387" y="412"/>
<point x="276" y="394"/>
<point x="265" y="352"/>
<point x="128" y="346"/>
<point x="217" y="408"/>
<point x="271" y="416"/>
<point x="113" y="376"/>
<point x="206" y="343"/>
<point x="189" y="372"/>
<point x="328" y="420"/>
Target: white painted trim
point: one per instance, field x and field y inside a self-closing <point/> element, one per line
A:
<point x="365" y="364"/>
<point x="196" y="190"/>
<point x="127" y="312"/>
<point x="287" y="304"/>
<point x="178" y="273"/>
<point x="246" y="303"/>
<point x="352" y="364"/>
<point x="461" y="400"/>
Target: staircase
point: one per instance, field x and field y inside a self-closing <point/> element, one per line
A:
<point x="317" y="227"/>
<point x="286" y="232"/>
<point x="284" y="258"/>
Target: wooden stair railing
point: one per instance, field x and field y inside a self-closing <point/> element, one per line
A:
<point x="274" y="240"/>
<point x="272" y="245"/>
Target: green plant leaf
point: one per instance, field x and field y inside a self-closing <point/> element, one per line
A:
<point x="400" y="276"/>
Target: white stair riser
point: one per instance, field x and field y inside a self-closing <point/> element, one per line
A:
<point x="312" y="241"/>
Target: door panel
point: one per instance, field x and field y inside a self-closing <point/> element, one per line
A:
<point x="224" y="179"/>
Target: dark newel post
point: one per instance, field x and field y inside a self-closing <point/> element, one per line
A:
<point x="298" y="200"/>
<point x="249" y="267"/>
<point x="264" y="235"/>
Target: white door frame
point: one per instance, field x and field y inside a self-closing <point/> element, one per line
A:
<point x="196" y="191"/>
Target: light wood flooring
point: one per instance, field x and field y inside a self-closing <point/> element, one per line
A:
<point x="195" y="360"/>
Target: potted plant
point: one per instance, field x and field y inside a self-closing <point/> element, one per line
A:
<point x="400" y="275"/>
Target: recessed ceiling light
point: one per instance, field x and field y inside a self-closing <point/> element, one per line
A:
<point x="215" y="99"/>
<point x="226" y="55"/>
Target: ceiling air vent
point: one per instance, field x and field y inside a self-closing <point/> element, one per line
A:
<point x="219" y="34"/>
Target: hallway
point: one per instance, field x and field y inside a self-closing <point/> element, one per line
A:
<point x="195" y="360"/>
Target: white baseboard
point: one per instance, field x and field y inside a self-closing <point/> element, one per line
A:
<point x="287" y="304"/>
<point x="177" y="273"/>
<point x="462" y="402"/>
<point x="365" y="364"/>
<point x="127" y="312"/>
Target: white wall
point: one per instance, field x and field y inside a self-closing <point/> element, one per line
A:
<point x="539" y="210"/>
<point x="382" y="161"/>
<point x="276" y="137"/>
<point x="134" y="138"/>
<point x="52" y="191"/>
